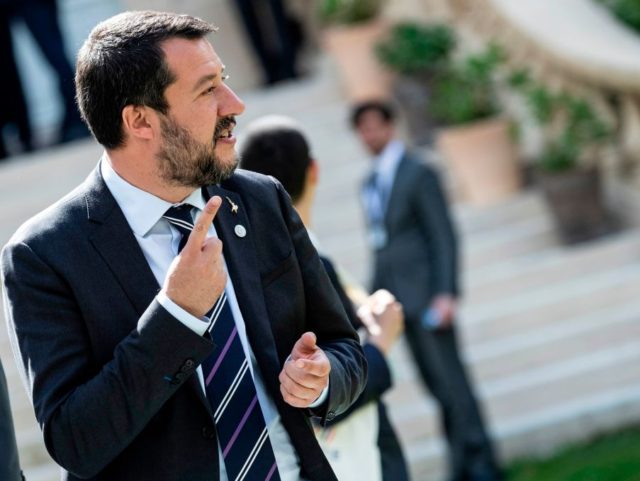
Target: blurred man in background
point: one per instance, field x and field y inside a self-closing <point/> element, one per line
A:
<point x="416" y="259"/>
<point x="41" y="19"/>
<point x="276" y="146"/>
<point x="275" y="35"/>
<point x="13" y="106"/>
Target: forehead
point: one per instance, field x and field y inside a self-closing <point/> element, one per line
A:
<point x="190" y="60"/>
<point x="371" y="117"/>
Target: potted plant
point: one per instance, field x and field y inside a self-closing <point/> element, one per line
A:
<point x="627" y="11"/>
<point x="352" y="28"/>
<point x="476" y="140"/>
<point x="415" y="52"/>
<point x="573" y="135"/>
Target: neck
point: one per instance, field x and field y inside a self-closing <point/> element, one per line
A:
<point x="303" y="207"/>
<point x="141" y="172"/>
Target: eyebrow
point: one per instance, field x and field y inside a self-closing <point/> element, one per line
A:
<point x="205" y="79"/>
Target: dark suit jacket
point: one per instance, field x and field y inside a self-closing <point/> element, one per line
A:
<point x="419" y="259"/>
<point x="111" y="372"/>
<point x="9" y="465"/>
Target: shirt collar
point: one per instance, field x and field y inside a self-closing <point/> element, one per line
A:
<point x="141" y="209"/>
<point x="387" y="160"/>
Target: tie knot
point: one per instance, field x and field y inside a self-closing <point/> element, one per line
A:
<point x="180" y="216"/>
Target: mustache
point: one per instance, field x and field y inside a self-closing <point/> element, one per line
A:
<point x="224" y="124"/>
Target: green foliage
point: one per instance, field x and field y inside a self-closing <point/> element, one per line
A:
<point x="349" y="11"/>
<point x="569" y="123"/>
<point x="615" y="457"/>
<point x="464" y="92"/>
<point x="628" y="11"/>
<point x="412" y="48"/>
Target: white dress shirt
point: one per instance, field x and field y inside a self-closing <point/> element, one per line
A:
<point x="159" y="242"/>
<point x="385" y="165"/>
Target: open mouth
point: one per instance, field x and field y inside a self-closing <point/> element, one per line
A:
<point x="224" y="129"/>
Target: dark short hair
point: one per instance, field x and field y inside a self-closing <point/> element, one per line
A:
<point x="275" y="146"/>
<point x="122" y="63"/>
<point x="383" y="108"/>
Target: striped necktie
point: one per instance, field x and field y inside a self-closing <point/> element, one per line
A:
<point x="240" y="425"/>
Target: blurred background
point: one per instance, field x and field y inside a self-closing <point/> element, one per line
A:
<point x="531" y="110"/>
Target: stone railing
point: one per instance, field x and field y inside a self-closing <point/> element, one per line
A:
<point x="579" y="46"/>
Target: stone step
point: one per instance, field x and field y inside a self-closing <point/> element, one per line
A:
<point x="537" y="301"/>
<point x="553" y="265"/>
<point x="42" y="472"/>
<point x="554" y="343"/>
<point x="537" y="434"/>
<point x="478" y="220"/>
<point x="520" y="239"/>
<point x="512" y="400"/>
<point x="31" y="446"/>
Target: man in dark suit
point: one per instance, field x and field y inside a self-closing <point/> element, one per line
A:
<point x="172" y="318"/>
<point x="9" y="463"/>
<point x="415" y="258"/>
<point x="276" y="146"/>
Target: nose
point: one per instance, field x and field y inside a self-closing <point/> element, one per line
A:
<point x="231" y="104"/>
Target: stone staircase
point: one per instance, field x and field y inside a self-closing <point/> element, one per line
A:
<point x="551" y="337"/>
<point x="550" y="333"/>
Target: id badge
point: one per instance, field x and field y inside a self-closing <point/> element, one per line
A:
<point x="377" y="237"/>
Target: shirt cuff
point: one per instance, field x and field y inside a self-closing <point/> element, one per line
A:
<point x="198" y="325"/>
<point x="321" y="399"/>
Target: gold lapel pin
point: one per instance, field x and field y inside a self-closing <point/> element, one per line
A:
<point x="234" y="206"/>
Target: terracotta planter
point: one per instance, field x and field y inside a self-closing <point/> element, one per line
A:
<point x="352" y="47"/>
<point x="483" y="160"/>
<point x="576" y="203"/>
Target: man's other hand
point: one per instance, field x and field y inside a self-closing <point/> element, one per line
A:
<point x="305" y="374"/>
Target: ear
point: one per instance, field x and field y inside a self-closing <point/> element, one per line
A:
<point x="313" y="173"/>
<point x="138" y="123"/>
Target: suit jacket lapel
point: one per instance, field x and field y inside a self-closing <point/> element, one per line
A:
<point x="239" y="254"/>
<point x="114" y="240"/>
<point x="399" y="186"/>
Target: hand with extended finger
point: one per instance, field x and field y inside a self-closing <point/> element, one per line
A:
<point x="306" y="372"/>
<point x="196" y="277"/>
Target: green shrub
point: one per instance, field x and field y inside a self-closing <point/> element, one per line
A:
<point x="412" y="48"/>
<point x="464" y="92"/>
<point x="349" y="11"/>
<point x="569" y="123"/>
<point x="628" y="11"/>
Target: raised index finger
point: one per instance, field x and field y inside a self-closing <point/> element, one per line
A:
<point x="201" y="227"/>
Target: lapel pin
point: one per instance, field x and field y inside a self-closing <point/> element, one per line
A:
<point x="234" y="206"/>
<point x="240" y="230"/>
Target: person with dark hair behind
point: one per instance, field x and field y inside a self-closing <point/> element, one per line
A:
<point x="13" y="107"/>
<point x="416" y="259"/>
<point x="275" y="37"/>
<point x="170" y="317"/>
<point x="41" y="19"/>
<point x="276" y="146"/>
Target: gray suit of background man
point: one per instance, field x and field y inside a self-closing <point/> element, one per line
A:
<point x="415" y="258"/>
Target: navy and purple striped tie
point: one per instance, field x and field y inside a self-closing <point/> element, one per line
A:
<point x="242" y="432"/>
